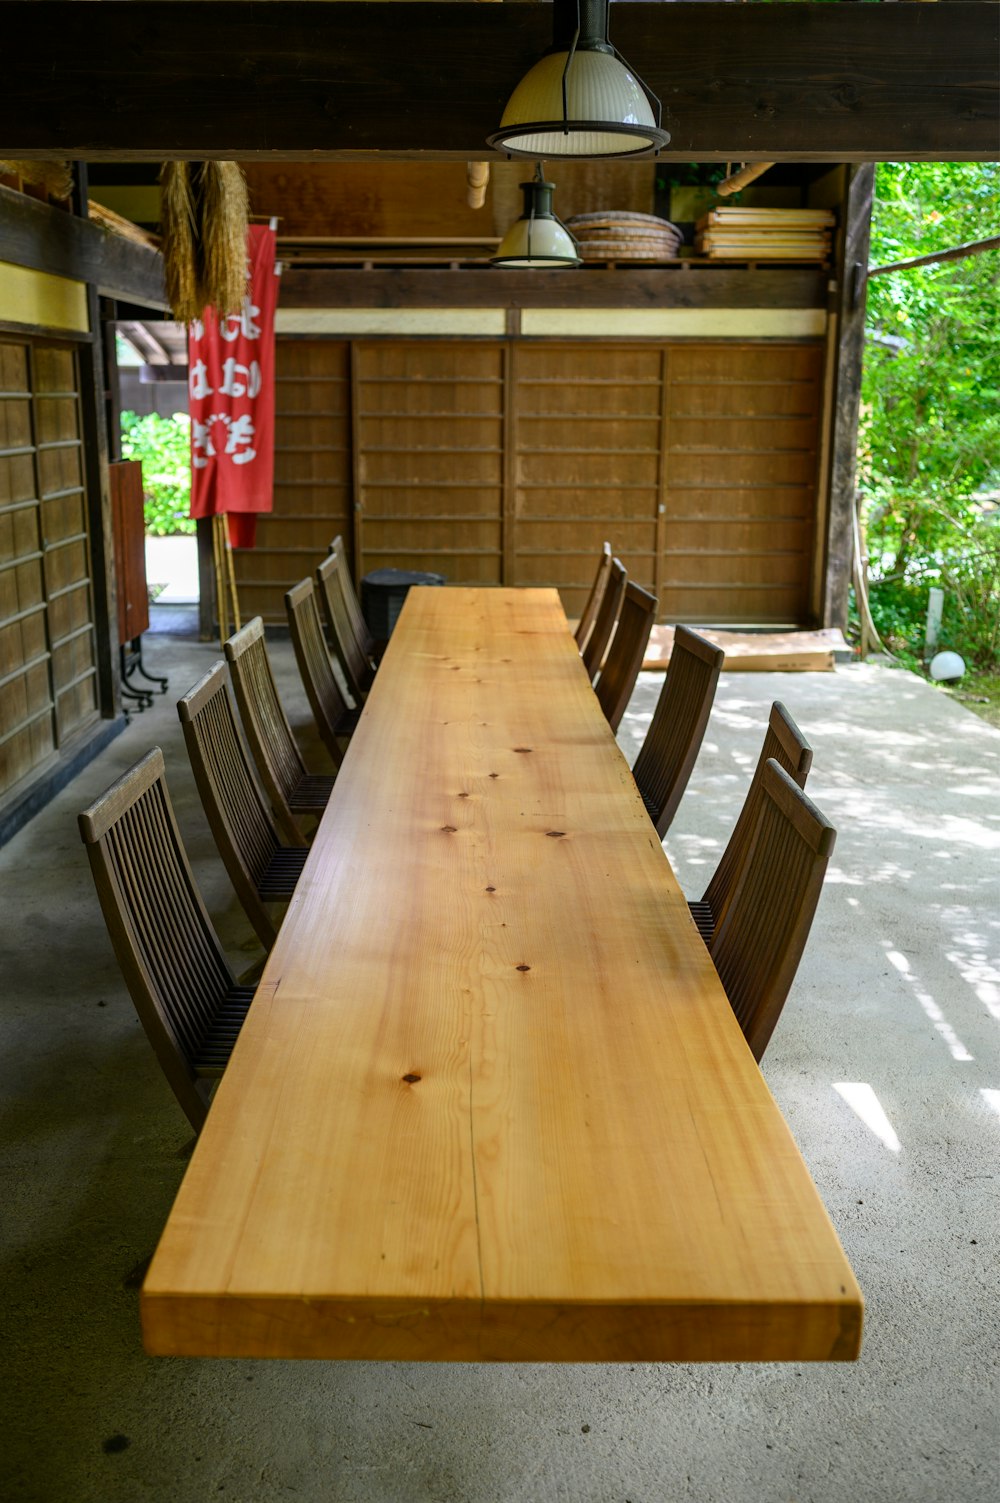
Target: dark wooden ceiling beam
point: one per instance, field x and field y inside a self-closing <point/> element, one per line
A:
<point x="628" y="286"/>
<point x="230" y="78"/>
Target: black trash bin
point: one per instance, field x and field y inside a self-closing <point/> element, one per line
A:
<point x="383" y="592"/>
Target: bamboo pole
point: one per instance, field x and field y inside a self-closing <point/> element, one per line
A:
<point x="956" y="253"/>
<point x="218" y="544"/>
<point x="477" y="177"/>
<point x="737" y="180"/>
<point x="235" y="599"/>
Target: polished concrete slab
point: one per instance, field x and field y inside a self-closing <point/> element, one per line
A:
<point x="885" y="1063"/>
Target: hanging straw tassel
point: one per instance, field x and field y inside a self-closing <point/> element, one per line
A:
<point x="204" y="215"/>
<point x="225" y="210"/>
<point x="177" y="221"/>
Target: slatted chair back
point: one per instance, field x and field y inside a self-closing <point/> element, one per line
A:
<point x="586" y="622"/>
<point x="327" y="703"/>
<point x="237" y="812"/>
<point x="785" y="743"/>
<point x="674" y="738"/>
<point x="361" y="629"/>
<point x="627" y="650"/>
<point x="607" y="615"/>
<point x="169" y="953"/>
<point x="759" y="943"/>
<point x="357" y="669"/>
<point x="268" y="733"/>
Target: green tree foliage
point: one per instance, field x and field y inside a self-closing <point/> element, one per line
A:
<point x="164" y="446"/>
<point x="929" y="460"/>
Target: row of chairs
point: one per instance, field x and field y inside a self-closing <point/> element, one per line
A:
<point x="754" y="916"/>
<point x="257" y="804"/>
<point x="756" y="913"/>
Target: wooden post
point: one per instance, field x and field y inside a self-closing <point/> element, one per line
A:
<point x="850" y="311"/>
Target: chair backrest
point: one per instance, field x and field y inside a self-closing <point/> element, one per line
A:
<point x="268" y="733"/>
<point x="325" y="699"/>
<point x="786" y="744"/>
<point x="758" y="945"/>
<point x="595" y="597"/>
<point x="173" y="964"/>
<point x="357" y="668"/>
<point x="627" y="650"/>
<point x="674" y="738"/>
<point x="237" y="813"/>
<point x="607" y="615"/>
<point x="361" y="629"/>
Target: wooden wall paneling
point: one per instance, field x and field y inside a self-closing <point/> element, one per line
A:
<point x="312" y="475"/>
<point x="662" y="482"/>
<point x="588" y="462"/>
<point x="742" y="464"/>
<point x="509" y="571"/>
<point x="357" y="495"/>
<point x="431" y="466"/>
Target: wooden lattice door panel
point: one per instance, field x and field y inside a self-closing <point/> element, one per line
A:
<point x="48" y="672"/>
<point x="27" y="726"/>
<point x="587" y="419"/>
<point x="312" y="474"/>
<point x="430" y="464"/>
<point x="740" y="465"/>
<point x="65" y="537"/>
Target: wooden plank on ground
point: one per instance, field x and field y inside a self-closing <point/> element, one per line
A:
<point x="757" y="652"/>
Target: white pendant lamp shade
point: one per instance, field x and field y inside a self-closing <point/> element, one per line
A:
<point x="581" y="99"/>
<point x="601" y="97"/>
<point x="537" y="239"/>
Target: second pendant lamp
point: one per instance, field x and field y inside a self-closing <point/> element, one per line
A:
<point x="538" y="239"/>
<point x="581" y="99"/>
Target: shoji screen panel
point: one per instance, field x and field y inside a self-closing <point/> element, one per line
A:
<point x="587" y="419"/>
<point x="740" y="450"/>
<point x="312" y="474"/>
<point x="430" y="435"/>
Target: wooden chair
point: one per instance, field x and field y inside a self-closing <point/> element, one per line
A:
<point x="674" y="738"/>
<point x="357" y="668"/>
<point x="334" y="721"/>
<point x="174" y="967"/>
<point x="786" y="744"/>
<point x="607" y="615"/>
<point x="362" y="632"/>
<point x="625" y="655"/>
<point x="759" y="942"/>
<point x="595" y="597"/>
<point x="293" y="790"/>
<point x="261" y="868"/>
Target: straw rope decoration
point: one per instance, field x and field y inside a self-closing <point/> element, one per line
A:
<point x="204" y="213"/>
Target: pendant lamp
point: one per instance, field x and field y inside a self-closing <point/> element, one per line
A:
<point x="538" y="238"/>
<point x="582" y="99"/>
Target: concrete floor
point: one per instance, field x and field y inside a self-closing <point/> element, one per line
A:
<point x="895" y="1011"/>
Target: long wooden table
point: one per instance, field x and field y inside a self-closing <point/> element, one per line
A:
<point x="490" y="1102"/>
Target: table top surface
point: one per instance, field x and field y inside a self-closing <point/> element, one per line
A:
<point x="490" y="1101"/>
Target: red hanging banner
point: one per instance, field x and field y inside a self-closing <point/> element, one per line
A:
<point x="231" y="392"/>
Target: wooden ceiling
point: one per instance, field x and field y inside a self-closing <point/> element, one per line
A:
<point x="312" y="81"/>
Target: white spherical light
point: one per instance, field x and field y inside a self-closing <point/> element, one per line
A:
<point x="945" y="666"/>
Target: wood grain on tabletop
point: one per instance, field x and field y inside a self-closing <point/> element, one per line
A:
<point x="490" y="1102"/>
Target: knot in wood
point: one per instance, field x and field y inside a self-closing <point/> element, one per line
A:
<point x="522" y="748"/>
<point x="489" y="889"/>
<point x="556" y="834"/>
<point x="411" y="1079"/>
<point x="448" y="830"/>
<point x="524" y="968"/>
